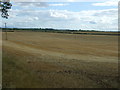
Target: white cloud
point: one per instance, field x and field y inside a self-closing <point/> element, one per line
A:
<point x="60" y="4"/>
<point x="71" y="0"/>
<point x="87" y="19"/>
<point x="58" y="0"/>
<point x="39" y="4"/>
<point x="32" y="4"/>
<point x="107" y="3"/>
<point x="57" y="14"/>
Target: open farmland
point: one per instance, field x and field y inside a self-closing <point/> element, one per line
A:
<point x="50" y="60"/>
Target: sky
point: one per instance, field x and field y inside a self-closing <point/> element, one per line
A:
<point x="86" y="15"/>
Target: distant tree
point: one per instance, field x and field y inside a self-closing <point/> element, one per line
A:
<point x="4" y="6"/>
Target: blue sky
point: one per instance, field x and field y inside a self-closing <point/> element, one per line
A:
<point x="79" y="6"/>
<point x="64" y="15"/>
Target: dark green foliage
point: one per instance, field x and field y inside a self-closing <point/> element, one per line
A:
<point x="4" y="8"/>
<point x="64" y="31"/>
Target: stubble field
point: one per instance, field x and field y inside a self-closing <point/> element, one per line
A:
<point x="50" y="60"/>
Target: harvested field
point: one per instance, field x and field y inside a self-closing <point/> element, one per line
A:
<point x="50" y="60"/>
